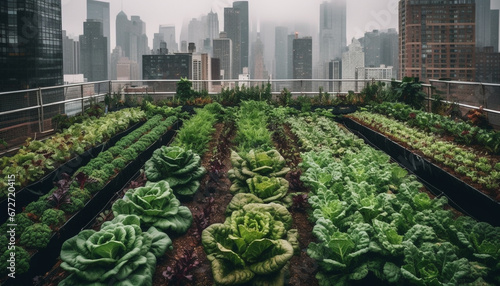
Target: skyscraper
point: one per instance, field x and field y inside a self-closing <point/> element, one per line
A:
<point x="93" y="49"/>
<point x="494" y="29"/>
<point x="212" y="26"/>
<point x="381" y="48"/>
<point x="483" y="23"/>
<point x="258" y="69"/>
<point x="437" y="39"/>
<point x="168" y="32"/>
<point x="98" y="10"/>
<point x="244" y="24"/>
<point x="351" y="60"/>
<point x="131" y="37"/>
<point x="332" y="30"/>
<point x="236" y="26"/>
<point x="302" y="63"/>
<point x="223" y="51"/>
<point x="280" y="52"/>
<point x="31" y="52"/>
<point x="71" y="55"/>
<point x="157" y="39"/>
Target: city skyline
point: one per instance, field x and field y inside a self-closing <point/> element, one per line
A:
<point x="362" y="15"/>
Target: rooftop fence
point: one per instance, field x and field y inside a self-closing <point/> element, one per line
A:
<point x="28" y="113"/>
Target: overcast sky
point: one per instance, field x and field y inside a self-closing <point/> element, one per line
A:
<point x="362" y="15"/>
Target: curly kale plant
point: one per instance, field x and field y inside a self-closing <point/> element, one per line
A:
<point x="248" y="165"/>
<point x="179" y="167"/>
<point x="156" y="206"/>
<point x="36" y="236"/>
<point x="119" y="254"/>
<point x="253" y="245"/>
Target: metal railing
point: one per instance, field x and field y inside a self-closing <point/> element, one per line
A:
<point x="28" y="113"/>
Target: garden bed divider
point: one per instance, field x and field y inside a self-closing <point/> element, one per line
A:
<point x="41" y="187"/>
<point x="44" y="259"/>
<point x="465" y="197"/>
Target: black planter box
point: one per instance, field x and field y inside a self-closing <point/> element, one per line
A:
<point x="41" y="187"/>
<point x="43" y="260"/>
<point x="461" y="195"/>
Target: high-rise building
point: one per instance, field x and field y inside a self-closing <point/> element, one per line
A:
<point x="302" y="63"/>
<point x="381" y="48"/>
<point x="483" y="23"/>
<point x="223" y="51"/>
<point x="335" y="72"/>
<point x="157" y="39"/>
<point x="202" y="70"/>
<point x="196" y="32"/>
<point x="280" y="53"/>
<point x="437" y="39"/>
<point x="93" y="51"/>
<point x="258" y="68"/>
<point x="71" y="55"/>
<point x="168" y="32"/>
<point x="31" y="52"/>
<point x="487" y="65"/>
<point x="212" y="26"/>
<point x="495" y="22"/>
<point x="332" y="30"/>
<point x="131" y="37"/>
<point x="98" y="10"/>
<point x="244" y="27"/>
<point x="289" y="53"/>
<point x="173" y="66"/>
<point x="216" y="72"/>
<point x="236" y="26"/>
<point x="353" y="59"/>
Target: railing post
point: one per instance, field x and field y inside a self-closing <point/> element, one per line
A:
<point x="83" y="103"/>
<point x="110" y="87"/>
<point x="41" y="117"/>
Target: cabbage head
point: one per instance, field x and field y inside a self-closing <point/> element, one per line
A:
<point x="179" y="167"/>
<point x="252" y="246"/>
<point x="254" y="163"/>
<point x="156" y="205"/>
<point x="119" y="254"/>
<point x="269" y="189"/>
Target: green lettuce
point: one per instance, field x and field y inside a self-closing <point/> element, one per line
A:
<point x="179" y="167"/>
<point x="156" y="205"/>
<point x="269" y="189"/>
<point x="119" y="254"/>
<point x="253" y="245"/>
<point x="254" y="163"/>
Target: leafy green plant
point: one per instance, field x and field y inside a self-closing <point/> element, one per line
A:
<point x="184" y="89"/>
<point x="269" y="189"/>
<point x="53" y="218"/>
<point x="156" y="205"/>
<point x="179" y="167"/>
<point x="410" y="91"/>
<point x="36" y="236"/>
<point x="120" y="253"/>
<point x="253" y="245"/>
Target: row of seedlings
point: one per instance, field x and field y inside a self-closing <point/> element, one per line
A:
<point x="41" y="219"/>
<point x="36" y="158"/>
<point x="477" y="166"/>
<point x="374" y="225"/>
<point x="255" y="242"/>
<point x="153" y="210"/>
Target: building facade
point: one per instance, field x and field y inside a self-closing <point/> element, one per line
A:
<point x="71" y="55"/>
<point x="487" y="65"/>
<point x="168" y="32"/>
<point x="31" y="48"/>
<point x="99" y="10"/>
<point x="224" y="52"/>
<point x="437" y="39"/>
<point x="332" y="31"/>
<point x="302" y="63"/>
<point x="353" y="59"/>
<point x="172" y="66"/>
<point x="280" y="53"/>
<point x="483" y="23"/>
<point x="93" y="52"/>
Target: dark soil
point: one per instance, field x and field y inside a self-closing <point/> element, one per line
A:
<point x="212" y="199"/>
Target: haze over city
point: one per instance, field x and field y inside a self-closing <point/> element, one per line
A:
<point x="362" y="15"/>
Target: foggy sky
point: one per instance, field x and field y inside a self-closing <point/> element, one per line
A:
<point x="362" y="15"/>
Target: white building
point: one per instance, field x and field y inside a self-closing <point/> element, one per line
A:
<point x="351" y="60"/>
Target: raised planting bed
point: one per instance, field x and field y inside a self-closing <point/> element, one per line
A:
<point x="42" y="259"/>
<point x="33" y="191"/>
<point x="465" y="197"/>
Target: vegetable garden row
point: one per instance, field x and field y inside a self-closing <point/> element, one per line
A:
<point x="256" y="195"/>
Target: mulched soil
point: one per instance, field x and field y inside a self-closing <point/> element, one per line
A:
<point x="214" y="190"/>
<point x="495" y="194"/>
